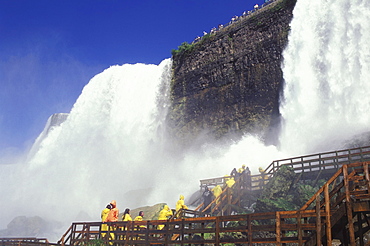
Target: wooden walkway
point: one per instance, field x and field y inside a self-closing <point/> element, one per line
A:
<point x="308" y="167"/>
<point x="339" y="210"/>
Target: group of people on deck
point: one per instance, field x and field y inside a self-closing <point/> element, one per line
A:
<point x="111" y="213"/>
<point x="241" y="178"/>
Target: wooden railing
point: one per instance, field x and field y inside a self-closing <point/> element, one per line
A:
<point x="24" y="241"/>
<point x="309" y="165"/>
<point x="346" y="193"/>
<point x="324" y="161"/>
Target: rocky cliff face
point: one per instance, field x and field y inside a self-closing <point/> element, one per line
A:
<point x="228" y="83"/>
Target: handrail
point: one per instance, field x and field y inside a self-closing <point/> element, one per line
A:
<point x="5" y="241"/>
<point x="62" y="240"/>
<point x="326" y="161"/>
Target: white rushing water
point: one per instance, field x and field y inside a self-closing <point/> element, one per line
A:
<point x="112" y="146"/>
<point x="327" y="75"/>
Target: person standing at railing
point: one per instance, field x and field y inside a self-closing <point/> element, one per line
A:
<point x="217" y="190"/>
<point x="230" y="182"/>
<point x="164" y="214"/>
<point x="248" y="179"/>
<point x="263" y="176"/>
<point x="180" y="204"/>
<point x="140" y="218"/>
<point x="207" y="199"/>
<point x="104" y="215"/>
<point x="112" y="217"/>
<point x="126" y="215"/>
<point x="241" y="180"/>
<point x="113" y="213"/>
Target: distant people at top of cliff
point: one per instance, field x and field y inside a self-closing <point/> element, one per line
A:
<point x="234" y="19"/>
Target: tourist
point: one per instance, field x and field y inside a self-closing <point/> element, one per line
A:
<point x="126" y="215"/>
<point x="180" y="204"/>
<point x="207" y="199"/>
<point x="164" y="214"/>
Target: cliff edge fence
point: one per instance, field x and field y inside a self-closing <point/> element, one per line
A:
<point x="228" y="83"/>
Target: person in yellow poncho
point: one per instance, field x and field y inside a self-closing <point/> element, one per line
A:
<point x="217" y="190"/>
<point x="263" y="178"/>
<point x="180" y="204"/>
<point x="164" y="214"/>
<point x="140" y="218"/>
<point x="242" y="169"/>
<point x="126" y="215"/>
<point x="230" y="182"/>
<point x="112" y="217"/>
<point x="104" y="215"/>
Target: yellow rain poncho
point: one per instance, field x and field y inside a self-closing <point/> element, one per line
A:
<point x="126" y="217"/>
<point x="230" y="182"/>
<point x="217" y="190"/>
<point x="104" y="215"/>
<point x="164" y="214"/>
<point x="242" y="169"/>
<point x="181" y="204"/>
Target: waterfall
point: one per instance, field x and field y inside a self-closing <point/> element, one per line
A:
<point x="327" y="75"/>
<point x="112" y="146"/>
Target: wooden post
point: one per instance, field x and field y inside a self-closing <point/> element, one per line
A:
<point x="318" y="220"/>
<point x="327" y="215"/>
<point x="367" y="177"/>
<point x="351" y="228"/>
<point x="361" y="233"/>
<point x="278" y="229"/>
<point x="182" y="231"/>
<point x="229" y="194"/>
<point x="299" y="224"/>
<point x="250" y="229"/>
<point x="217" y="234"/>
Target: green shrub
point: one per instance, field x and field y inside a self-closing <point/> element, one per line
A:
<point x="185" y="46"/>
<point x="96" y="242"/>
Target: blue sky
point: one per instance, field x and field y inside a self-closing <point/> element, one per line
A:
<point x="50" y="49"/>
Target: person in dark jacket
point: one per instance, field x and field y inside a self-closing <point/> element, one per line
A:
<point x="207" y="199"/>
